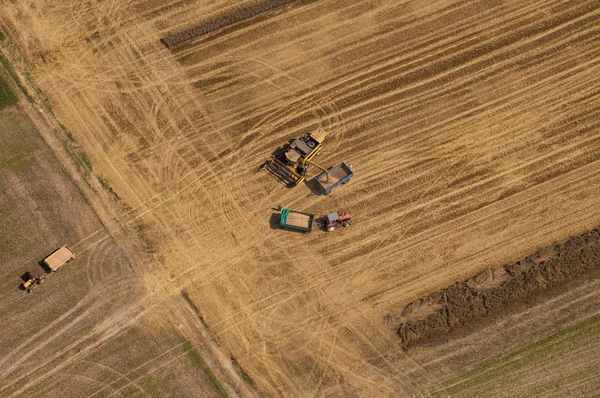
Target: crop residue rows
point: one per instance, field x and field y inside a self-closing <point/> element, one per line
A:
<point x="239" y="15"/>
<point x="488" y="291"/>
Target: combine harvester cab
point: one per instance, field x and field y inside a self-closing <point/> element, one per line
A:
<point x="335" y="176"/>
<point x="297" y="221"/>
<point x="290" y="167"/>
<point x="59" y="258"/>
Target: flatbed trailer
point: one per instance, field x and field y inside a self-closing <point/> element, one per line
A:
<point x="297" y="221"/>
<point x="59" y="258"/>
<point x="335" y="176"/>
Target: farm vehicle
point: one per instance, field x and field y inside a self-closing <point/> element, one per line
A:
<point x="52" y="263"/>
<point x="293" y="220"/>
<point x="34" y="278"/>
<point x="59" y="258"/>
<point x="291" y="163"/>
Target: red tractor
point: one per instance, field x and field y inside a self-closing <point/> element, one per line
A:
<point x="333" y="221"/>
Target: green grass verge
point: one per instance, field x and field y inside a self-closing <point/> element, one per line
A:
<point x="19" y="160"/>
<point x="144" y="239"/>
<point x="241" y="370"/>
<point x="66" y="131"/>
<point x="11" y="71"/>
<point x="196" y="359"/>
<point x="104" y="184"/>
<point x="549" y="348"/>
<point x="84" y="161"/>
<point x="7" y="95"/>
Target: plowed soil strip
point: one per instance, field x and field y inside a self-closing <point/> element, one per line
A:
<point x="214" y="25"/>
<point x="452" y="307"/>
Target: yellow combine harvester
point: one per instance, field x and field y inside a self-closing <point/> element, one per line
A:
<point x="290" y="164"/>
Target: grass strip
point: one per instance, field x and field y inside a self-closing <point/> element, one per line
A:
<point x="7" y="95"/>
<point x="527" y="356"/>
<point x="11" y="71"/>
<point x="195" y="357"/>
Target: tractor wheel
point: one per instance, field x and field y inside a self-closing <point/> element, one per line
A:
<point x="331" y="229"/>
<point x="346" y="224"/>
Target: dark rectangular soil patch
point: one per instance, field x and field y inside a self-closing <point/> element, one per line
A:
<point x="493" y="290"/>
<point x="240" y="15"/>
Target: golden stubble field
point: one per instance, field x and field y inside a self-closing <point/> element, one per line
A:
<point x="471" y="126"/>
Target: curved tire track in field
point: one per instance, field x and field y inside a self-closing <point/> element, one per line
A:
<point x="95" y="300"/>
<point x="455" y="117"/>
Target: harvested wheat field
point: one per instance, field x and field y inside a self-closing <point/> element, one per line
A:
<point x="89" y="329"/>
<point x="472" y="128"/>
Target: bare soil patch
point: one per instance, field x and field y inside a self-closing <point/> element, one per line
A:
<point x="243" y="14"/>
<point x="491" y="289"/>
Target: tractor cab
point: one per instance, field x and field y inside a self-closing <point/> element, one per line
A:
<point x="335" y="220"/>
<point x="33" y="277"/>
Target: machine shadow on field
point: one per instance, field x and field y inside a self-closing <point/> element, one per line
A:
<point x="24" y="278"/>
<point x="274" y="221"/>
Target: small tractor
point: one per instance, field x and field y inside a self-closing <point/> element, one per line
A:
<point x="305" y="222"/>
<point x="52" y="263"/>
<point x="35" y="277"/>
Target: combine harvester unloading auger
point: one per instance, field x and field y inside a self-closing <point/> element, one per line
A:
<point x="291" y="163"/>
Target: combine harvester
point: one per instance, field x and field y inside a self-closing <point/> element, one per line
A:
<point x="291" y="164"/>
<point x="293" y="220"/>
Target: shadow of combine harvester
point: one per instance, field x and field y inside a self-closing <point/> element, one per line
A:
<point x="291" y="163"/>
